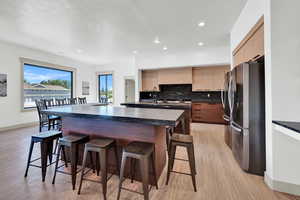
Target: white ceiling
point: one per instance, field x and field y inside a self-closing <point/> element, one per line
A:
<point x="106" y="30"/>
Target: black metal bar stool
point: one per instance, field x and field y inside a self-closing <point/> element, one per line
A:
<point x="143" y="152"/>
<point x="184" y="141"/>
<point x="45" y="139"/>
<point x="73" y="142"/>
<point x="101" y="147"/>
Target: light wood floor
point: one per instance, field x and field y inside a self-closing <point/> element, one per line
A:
<point x="219" y="176"/>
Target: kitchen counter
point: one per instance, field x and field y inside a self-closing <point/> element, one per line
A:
<point x="121" y="124"/>
<point x="294" y="126"/>
<point x="160" y="117"/>
<point x="184" y="106"/>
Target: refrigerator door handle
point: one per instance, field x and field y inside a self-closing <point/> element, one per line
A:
<point x="226" y="118"/>
<point x="222" y="98"/>
<point x="237" y="129"/>
<point x="230" y="95"/>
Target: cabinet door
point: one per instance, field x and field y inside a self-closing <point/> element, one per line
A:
<point x="149" y="80"/>
<point x="175" y="76"/>
<point x="252" y="48"/>
<point x="208" y="113"/>
<point x="209" y="78"/>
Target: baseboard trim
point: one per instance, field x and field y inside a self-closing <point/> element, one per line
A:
<point x="24" y="125"/>
<point x="280" y="186"/>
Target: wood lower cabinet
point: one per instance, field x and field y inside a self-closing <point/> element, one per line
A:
<point x="207" y="113"/>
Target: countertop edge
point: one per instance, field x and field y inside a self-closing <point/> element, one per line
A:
<point x="281" y="123"/>
<point x="115" y="118"/>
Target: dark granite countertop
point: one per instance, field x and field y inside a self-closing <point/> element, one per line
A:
<point x="184" y="106"/>
<point x="295" y="126"/>
<point x="161" y="117"/>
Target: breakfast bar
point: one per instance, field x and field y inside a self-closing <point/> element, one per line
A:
<point x="121" y="124"/>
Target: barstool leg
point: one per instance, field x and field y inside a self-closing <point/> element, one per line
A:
<point x="74" y="156"/>
<point x="44" y="155"/>
<point x="103" y="163"/>
<point x="132" y="168"/>
<point x="50" y="151"/>
<point x="123" y="162"/>
<point x="29" y="157"/>
<point x="117" y="159"/>
<point x="56" y="163"/>
<point x="154" y="168"/>
<point x="97" y="164"/>
<point x="83" y="168"/>
<point x="171" y="161"/>
<point x="192" y="166"/>
<point x="65" y="157"/>
<point x="92" y="161"/>
<point x="144" y="166"/>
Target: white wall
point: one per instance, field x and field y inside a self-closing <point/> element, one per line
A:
<point x="285" y="51"/>
<point x="205" y="56"/>
<point x="282" y="69"/>
<point x="10" y="106"/>
<point x="121" y="69"/>
<point x="250" y="14"/>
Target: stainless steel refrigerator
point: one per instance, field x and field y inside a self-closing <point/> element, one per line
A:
<point x="246" y="96"/>
<point x="226" y="116"/>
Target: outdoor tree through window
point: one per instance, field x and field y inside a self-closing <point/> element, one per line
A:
<point x="45" y="83"/>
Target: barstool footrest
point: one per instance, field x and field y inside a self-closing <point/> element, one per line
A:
<point x="149" y="189"/>
<point x="101" y="182"/>
<point x="181" y="173"/>
<point x="181" y="159"/>
<point x="67" y="173"/>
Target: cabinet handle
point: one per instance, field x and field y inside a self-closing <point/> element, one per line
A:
<point x="255" y="57"/>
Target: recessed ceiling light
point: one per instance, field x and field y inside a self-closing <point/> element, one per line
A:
<point x="156" y="40"/>
<point x="79" y="50"/>
<point x="200" y="43"/>
<point x="201" y="24"/>
<point x="165" y="48"/>
<point x="135" y="52"/>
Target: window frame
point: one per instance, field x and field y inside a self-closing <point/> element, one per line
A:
<point x="113" y="84"/>
<point x="46" y="65"/>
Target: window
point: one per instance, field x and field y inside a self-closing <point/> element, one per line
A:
<point x="42" y="82"/>
<point x="105" y="88"/>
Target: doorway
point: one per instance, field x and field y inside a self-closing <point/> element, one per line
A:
<point x="129" y="90"/>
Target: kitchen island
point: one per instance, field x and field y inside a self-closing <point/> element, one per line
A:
<point x="170" y="106"/>
<point x="122" y="124"/>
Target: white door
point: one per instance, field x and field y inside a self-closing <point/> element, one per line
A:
<point x="129" y="90"/>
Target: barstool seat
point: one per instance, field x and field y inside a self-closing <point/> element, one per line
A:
<point x="101" y="147"/>
<point x="141" y="148"/>
<point x="45" y="139"/>
<point x="100" y="143"/>
<point x="73" y="142"/>
<point x="182" y="138"/>
<point x="144" y="153"/>
<point x="187" y="142"/>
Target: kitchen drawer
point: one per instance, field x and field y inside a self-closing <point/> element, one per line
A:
<point x="206" y="112"/>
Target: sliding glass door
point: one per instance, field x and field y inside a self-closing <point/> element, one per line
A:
<point x="105" y="88"/>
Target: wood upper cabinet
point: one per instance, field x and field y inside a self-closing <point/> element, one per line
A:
<point x="209" y="78"/>
<point x="150" y="80"/>
<point x="252" y="46"/>
<point x="175" y="76"/>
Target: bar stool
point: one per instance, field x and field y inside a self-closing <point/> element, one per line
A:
<point x="82" y="100"/>
<point x="143" y="152"/>
<point x="73" y="142"/>
<point x="45" y="139"/>
<point x="101" y="147"/>
<point x="184" y="141"/>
